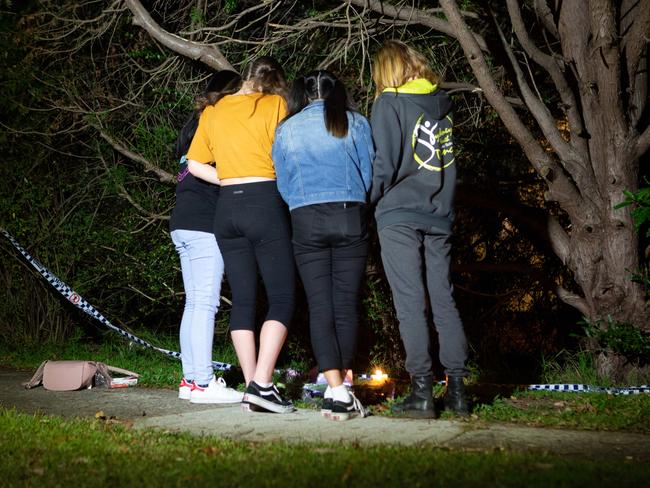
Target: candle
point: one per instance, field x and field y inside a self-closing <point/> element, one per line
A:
<point x="379" y="376"/>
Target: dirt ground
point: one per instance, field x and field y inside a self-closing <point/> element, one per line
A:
<point x="158" y="408"/>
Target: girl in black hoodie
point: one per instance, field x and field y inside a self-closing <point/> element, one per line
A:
<point x="414" y="176"/>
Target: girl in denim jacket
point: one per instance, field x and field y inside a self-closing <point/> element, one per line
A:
<point x="323" y="154"/>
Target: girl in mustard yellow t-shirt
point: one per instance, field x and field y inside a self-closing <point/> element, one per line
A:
<point x="251" y="221"/>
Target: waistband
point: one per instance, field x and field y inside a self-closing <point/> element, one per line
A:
<point x="249" y="189"/>
<point x="328" y="205"/>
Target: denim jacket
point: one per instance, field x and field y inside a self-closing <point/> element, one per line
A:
<point x="313" y="166"/>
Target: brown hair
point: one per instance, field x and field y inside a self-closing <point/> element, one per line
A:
<point x="395" y="63"/>
<point x="267" y="76"/>
<point x="222" y="83"/>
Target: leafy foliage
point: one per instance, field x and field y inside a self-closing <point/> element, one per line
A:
<point x="620" y="337"/>
<point x="641" y="211"/>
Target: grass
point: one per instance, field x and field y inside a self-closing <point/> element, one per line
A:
<point x="579" y="367"/>
<point x="155" y="369"/>
<point x="583" y="411"/>
<point x="51" y="451"/>
<point x="590" y="411"/>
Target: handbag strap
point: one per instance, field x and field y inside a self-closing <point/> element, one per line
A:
<point x="126" y="372"/>
<point x="37" y="379"/>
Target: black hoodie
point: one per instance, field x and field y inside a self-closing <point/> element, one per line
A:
<point x="414" y="174"/>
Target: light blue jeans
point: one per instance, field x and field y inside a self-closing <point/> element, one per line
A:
<point x="202" y="268"/>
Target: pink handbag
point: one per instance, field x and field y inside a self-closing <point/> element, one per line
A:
<point x="78" y="375"/>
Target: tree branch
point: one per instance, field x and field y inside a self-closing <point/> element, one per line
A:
<point x="414" y="15"/>
<point x="559" y="185"/>
<point x="546" y="16"/>
<point x="206" y="53"/>
<point x="454" y="86"/>
<point x="643" y="143"/>
<point x="539" y="111"/>
<point x="121" y="190"/>
<point x="162" y="175"/>
<point x="559" y="239"/>
<point x="576" y="301"/>
<point x="635" y="33"/>
<point x="553" y="68"/>
<point x="605" y="52"/>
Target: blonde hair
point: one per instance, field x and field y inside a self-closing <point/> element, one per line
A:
<point x="395" y="63"/>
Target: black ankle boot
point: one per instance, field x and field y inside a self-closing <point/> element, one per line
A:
<point x="455" y="397"/>
<point x="419" y="404"/>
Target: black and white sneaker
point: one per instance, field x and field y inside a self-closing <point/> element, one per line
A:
<point x="326" y="407"/>
<point x="258" y="398"/>
<point x="347" y="410"/>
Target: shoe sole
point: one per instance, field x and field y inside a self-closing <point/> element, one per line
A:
<point x="210" y="400"/>
<point x="183" y="396"/>
<point x="342" y="417"/>
<point x="248" y="407"/>
<point x="326" y="413"/>
<point x="256" y="401"/>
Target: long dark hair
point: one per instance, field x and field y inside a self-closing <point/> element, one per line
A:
<point x="221" y="83"/>
<point x="267" y="75"/>
<point x="322" y="84"/>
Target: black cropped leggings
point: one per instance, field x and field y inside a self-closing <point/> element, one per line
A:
<point x="252" y="230"/>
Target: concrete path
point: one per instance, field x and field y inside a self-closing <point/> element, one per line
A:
<point x="155" y="408"/>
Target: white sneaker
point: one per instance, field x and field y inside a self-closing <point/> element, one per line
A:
<point x="185" y="389"/>
<point x="215" y="392"/>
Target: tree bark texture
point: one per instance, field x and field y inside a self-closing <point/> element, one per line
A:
<point x="597" y="79"/>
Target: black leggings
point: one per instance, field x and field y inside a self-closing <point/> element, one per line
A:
<point x="330" y="243"/>
<point x="252" y="230"/>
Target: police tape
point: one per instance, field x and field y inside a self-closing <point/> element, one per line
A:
<point x="581" y="388"/>
<point x="317" y="389"/>
<point x="79" y="302"/>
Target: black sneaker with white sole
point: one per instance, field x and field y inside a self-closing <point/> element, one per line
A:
<point x="258" y="398"/>
<point x="326" y="407"/>
<point x="347" y="410"/>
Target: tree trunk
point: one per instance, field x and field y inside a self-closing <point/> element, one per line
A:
<point x="597" y="80"/>
<point x="604" y="245"/>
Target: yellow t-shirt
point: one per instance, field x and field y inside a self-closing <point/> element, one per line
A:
<point x="237" y="135"/>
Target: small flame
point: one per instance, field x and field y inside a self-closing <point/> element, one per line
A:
<point x="379" y="375"/>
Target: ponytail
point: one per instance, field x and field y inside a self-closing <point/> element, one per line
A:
<point x="336" y="117"/>
<point x="322" y="85"/>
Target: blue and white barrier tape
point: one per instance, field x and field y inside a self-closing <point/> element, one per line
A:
<point x="314" y="390"/>
<point x="74" y="298"/>
<point x="580" y="388"/>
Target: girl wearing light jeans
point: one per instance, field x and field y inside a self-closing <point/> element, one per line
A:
<point x="201" y="263"/>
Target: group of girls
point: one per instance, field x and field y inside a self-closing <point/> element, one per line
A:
<point x="255" y="148"/>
